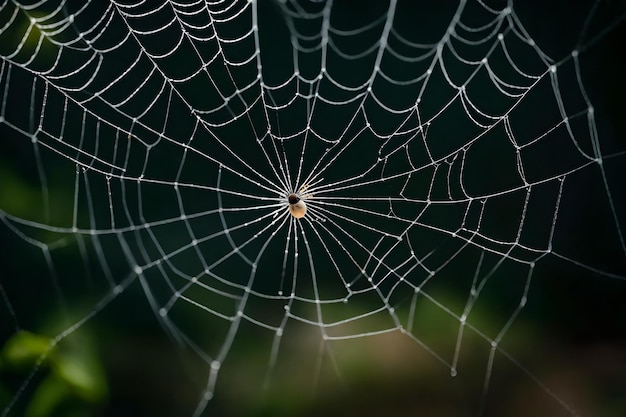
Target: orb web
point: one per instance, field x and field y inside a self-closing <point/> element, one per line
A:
<point x="460" y="183"/>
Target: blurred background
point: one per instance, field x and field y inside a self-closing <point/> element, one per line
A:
<point x="565" y="353"/>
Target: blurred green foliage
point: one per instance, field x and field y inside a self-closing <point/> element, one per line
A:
<point x="70" y="379"/>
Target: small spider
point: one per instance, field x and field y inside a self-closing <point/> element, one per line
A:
<point x="297" y="206"/>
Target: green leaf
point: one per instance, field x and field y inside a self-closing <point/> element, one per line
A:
<point x="47" y="397"/>
<point x="80" y="368"/>
<point x="24" y="350"/>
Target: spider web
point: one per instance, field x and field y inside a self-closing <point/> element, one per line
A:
<point x="461" y="186"/>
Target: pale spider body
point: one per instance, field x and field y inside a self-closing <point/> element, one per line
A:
<point x="297" y="206"/>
